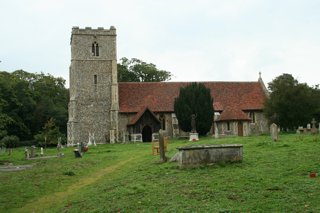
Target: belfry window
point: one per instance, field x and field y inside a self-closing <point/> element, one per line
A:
<point x="95" y="49"/>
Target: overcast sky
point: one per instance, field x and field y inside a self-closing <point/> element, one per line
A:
<point x="196" y="40"/>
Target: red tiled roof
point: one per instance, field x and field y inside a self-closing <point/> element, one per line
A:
<point x="140" y="113"/>
<point x="232" y="113"/>
<point x="159" y="96"/>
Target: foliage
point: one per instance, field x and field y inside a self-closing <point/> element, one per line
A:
<point x="10" y="141"/>
<point x="135" y="70"/>
<point x="194" y="99"/>
<point x="50" y="134"/>
<point x="273" y="177"/>
<point x="28" y="100"/>
<point x="291" y="104"/>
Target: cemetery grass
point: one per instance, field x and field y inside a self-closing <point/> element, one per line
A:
<point x="273" y="177"/>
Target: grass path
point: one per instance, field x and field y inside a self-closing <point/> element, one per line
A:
<point x="44" y="203"/>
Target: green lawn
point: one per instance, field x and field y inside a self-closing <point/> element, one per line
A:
<point x="273" y="177"/>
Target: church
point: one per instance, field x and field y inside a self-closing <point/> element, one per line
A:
<point x="116" y="112"/>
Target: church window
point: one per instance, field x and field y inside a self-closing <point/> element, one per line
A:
<point x="228" y="126"/>
<point x="163" y="121"/>
<point x="95" y="49"/>
<point x="95" y="79"/>
<point x="252" y="117"/>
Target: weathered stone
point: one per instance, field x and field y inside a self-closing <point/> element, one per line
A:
<point x="314" y="130"/>
<point x="33" y="152"/>
<point x="92" y="74"/>
<point x="175" y="158"/>
<point x="193" y="136"/>
<point x="274" y="132"/>
<point x="191" y="156"/>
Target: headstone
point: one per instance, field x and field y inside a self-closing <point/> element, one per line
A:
<point x="216" y="131"/>
<point x="274" y="132"/>
<point x="26" y="153"/>
<point x="33" y="152"/>
<point x="77" y="153"/>
<point x="313" y="129"/>
<point x="59" y="146"/>
<point x="89" y="142"/>
<point x="308" y="127"/>
<point x="163" y="157"/>
<point x="41" y="151"/>
<point x="193" y="136"/>
<point x="93" y="140"/>
<point x="319" y="128"/>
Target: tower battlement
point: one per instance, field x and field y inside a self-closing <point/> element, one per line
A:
<point x="92" y="31"/>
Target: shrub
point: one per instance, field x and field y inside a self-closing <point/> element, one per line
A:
<point x="10" y="141"/>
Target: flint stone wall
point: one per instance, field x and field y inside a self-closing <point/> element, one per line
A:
<point x="192" y="156"/>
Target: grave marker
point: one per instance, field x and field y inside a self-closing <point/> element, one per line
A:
<point x="274" y="132"/>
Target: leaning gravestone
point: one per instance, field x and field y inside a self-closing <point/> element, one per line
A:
<point x="274" y="132"/>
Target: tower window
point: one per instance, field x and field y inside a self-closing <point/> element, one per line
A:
<point x="95" y="49"/>
<point x="95" y="79"/>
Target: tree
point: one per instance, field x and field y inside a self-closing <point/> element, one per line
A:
<point x="28" y="101"/>
<point x="194" y="99"/>
<point x="50" y="134"/>
<point x="291" y="104"/>
<point x="135" y="70"/>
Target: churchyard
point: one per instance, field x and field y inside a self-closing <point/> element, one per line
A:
<point x="274" y="176"/>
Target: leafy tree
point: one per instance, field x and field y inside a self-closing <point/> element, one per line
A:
<point x="50" y="134"/>
<point x="291" y="104"/>
<point x="135" y="70"/>
<point x="28" y="101"/>
<point x="194" y="99"/>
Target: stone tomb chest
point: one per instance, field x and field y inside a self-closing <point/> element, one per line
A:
<point x="195" y="155"/>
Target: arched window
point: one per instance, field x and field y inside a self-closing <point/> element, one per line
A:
<point x="95" y="49"/>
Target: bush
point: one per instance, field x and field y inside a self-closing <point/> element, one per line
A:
<point x="10" y="141"/>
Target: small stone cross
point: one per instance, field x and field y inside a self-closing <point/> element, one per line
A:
<point x="313" y="123"/>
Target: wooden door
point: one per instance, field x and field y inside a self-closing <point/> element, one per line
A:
<point x="240" y="128"/>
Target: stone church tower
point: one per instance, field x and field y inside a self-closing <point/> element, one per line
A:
<point x="94" y="102"/>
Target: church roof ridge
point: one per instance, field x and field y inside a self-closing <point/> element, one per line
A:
<point x="186" y="82"/>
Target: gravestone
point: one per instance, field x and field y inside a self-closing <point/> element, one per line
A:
<point x="314" y="129"/>
<point x="77" y="153"/>
<point x="216" y="131"/>
<point x="193" y="135"/>
<point x="163" y="157"/>
<point x="308" y="127"/>
<point x="33" y="152"/>
<point x="41" y="151"/>
<point x="26" y="153"/>
<point x="274" y="132"/>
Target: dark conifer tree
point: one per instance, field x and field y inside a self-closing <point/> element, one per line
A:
<point x="194" y="99"/>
